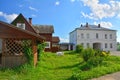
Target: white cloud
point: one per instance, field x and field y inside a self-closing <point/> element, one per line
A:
<point x="104" y="24"/>
<point x="72" y="0"/>
<point x="8" y="17"/>
<point x="33" y="15"/>
<point x="118" y="39"/>
<point x="100" y="10"/>
<point x="34" y="9"/>
<point x="118" y="15"/>
<point x="64" y="40"/>
<point x="57" y="3"/>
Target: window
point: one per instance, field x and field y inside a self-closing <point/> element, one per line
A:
<point x="111" y="46"/>
<point x="96" y="35"/>
<point x="78" y="36"/>
<point x="21" y="25"/>
<point x="87" y="36"/>
<point x="47" y="44"/>
<point x="110" y="36"/>
<point x="105" y="45"/>
<point x="105" y="36"/>
<point x="82" y="44"/>
<point x="88" y="45"/>
<point x="82" y="35"/>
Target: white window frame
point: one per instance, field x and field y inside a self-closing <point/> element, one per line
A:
<point x="111" y="45"/>
<point x="106" y="45"/>
<point x="47" y="44"/>
<point x="105" y="36"/>
<point x="97" y="36"/>
<point x="110" y="36"/>
<point x="21" y="25"/>
<point x="88" y="36"/>
<point x="82" y="35"/>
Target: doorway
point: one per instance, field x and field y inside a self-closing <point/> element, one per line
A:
<point x="97" y="46"/>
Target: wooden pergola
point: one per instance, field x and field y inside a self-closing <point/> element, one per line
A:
<point x="11" y="37"/>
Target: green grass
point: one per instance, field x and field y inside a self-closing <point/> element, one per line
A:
<point x="50" y="67"/>
<point x="54" y="67"/>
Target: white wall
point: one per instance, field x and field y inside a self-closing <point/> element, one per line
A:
<point x="77" y="39"/>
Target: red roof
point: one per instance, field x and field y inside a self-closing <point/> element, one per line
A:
<point x="10" y="31"/>
<point x="55" y="39"/>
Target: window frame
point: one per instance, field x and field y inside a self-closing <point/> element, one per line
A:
<point x="21" y="25"/>
<point x="47" y="46"/>
<point x="106" y="45"/>
<point x="97" y="36"/>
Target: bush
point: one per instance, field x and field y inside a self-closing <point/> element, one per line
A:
<point x="85" y="66"/>
<point x="95" y="61"/>
<point x="105" y="54"/>
<point x="79" y="48"/>
<point x="87" y="54"/>
<point x="40" y="47"/>
<point x="28" y="53"/>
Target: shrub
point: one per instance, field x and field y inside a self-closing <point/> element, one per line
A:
<point x="79" y="48"/>
<point x="28" y="53"/>
<point x="95" y="61"/>
<point x="85" y="66"/>
<point x="105" y="54"/>
<point x="40" y="47"/>
<point x="87" y="54"/>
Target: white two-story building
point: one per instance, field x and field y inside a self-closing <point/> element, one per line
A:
<point x="94" y="36"/>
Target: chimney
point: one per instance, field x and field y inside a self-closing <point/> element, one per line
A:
<point x="98" y="25"/>
<point x="86" y="24"/>
<point x="30" y="21"/>
<point x="81" y="25"/>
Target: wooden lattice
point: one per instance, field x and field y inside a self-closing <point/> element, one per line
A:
<point x="15" y="46"/>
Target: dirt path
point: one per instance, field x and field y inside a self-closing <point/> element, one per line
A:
<point x="117" y="53"/>
<point x="114" y="76"/>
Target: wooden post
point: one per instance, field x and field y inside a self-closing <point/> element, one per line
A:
<point x="34" y="47"/>
<point x="3" y="52"/>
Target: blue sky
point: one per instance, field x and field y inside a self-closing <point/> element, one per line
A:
<point x="64" y="15"/>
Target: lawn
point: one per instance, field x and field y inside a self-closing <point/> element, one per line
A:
<point x="65" y="67"/>
<point x="50" y="67"/>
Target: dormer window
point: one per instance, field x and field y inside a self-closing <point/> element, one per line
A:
<point x="21" y="25"/>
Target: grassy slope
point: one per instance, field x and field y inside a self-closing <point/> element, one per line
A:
<point x="51" y="67"/>
<point x="58" y="67"/>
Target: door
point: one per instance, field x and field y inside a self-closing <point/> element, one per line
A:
<point x="97" y="46"/>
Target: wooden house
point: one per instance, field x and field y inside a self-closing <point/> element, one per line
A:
<point x="21" y="30"/>
<point x="42" y="30"/>
<point x="55" y="44"/>
<point x="46" y="31"/>
<point x="12" y="40"/>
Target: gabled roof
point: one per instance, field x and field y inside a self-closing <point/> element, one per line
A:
<point x="93" y="27"/>
<point x="21" y="19"/>
<point x="55" y="39"/>
<point x="43" y="28"/>
<point x="10" y="31"/>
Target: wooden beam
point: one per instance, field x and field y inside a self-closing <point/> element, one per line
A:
<point x="34" y="47"/>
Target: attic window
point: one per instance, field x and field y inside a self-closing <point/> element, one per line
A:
<point x="21" y="25"/>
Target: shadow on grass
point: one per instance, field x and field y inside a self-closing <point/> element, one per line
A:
<point x="71" y="66"/>
<point x="18" y="69"/>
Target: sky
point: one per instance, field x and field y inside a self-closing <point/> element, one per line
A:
<point x="64" y="15"/>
